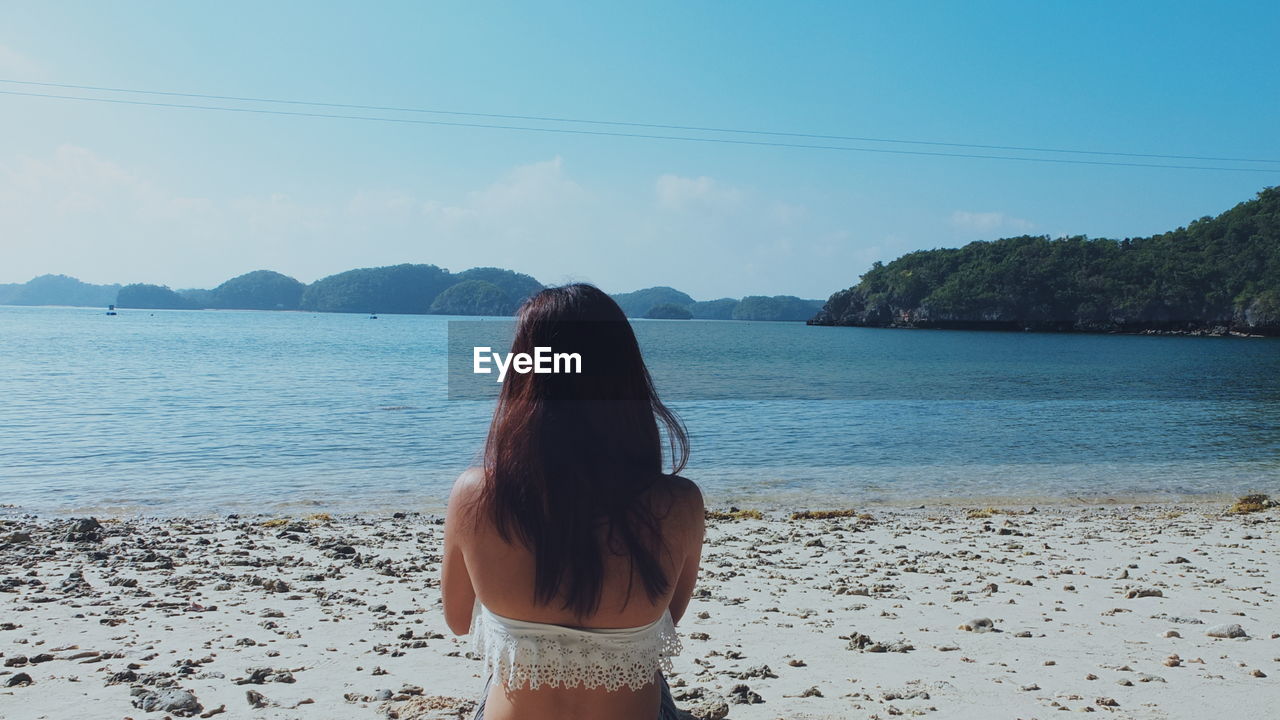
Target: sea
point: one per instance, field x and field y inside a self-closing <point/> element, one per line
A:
<point x="155" y="412"/>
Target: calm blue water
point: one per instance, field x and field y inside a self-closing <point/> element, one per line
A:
<point x="181" y="412"/>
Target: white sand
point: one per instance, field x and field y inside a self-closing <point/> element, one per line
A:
<point x="360" y="613"/>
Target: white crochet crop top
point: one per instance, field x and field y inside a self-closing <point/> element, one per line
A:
<point x="528" y="654"/>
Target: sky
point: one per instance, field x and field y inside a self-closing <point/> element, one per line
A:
<point x="189" y="198"/>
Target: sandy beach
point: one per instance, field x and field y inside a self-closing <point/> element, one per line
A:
<point x="1151" y="611"/>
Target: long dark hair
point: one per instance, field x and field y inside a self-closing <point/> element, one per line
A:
<point x="570" y="457"/>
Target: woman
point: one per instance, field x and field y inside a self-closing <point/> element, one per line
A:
<point x="570" y="555"/>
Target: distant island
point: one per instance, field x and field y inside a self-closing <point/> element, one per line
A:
<point x="57" y="290"/>
<point x="404" y="289"/>
<point x="1219" y="275"/>
<point x="669" y="311"/>
<point x="668" y="302"/>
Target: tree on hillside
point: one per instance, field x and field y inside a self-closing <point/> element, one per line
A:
<point x="721" y="309"/>
<point x="635" y="304"/>
<point x="518" y="287"/>
<point x="152" y="297"/>
<point x="258" y="290"/>
<point x="668" y="311"/>
<point x="1217" y="272"/>
<point x="393" y="289"/>
<point x="473" y="297"/>
<point x="778" y="307"/>
<point x="62" y="290"/>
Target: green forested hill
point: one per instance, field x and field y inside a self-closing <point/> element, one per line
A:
<point x="1218" y="274"/>
<point x="516" y="287"/>
<point x="638" y="303"/>
<point x="642" y="303"/>
<point x="152" y="297"/>
<point x="473" y="297"/>
<point x="58" y="290"/>
<point x="393" y="289"/>
<point x="669" y="311"/>
<point x="257" y="290"/>
<point x="411" y="289"/>
<point x="721" y="309"/>
<point x="778" y="307"/>
<point x="420" y="289"/>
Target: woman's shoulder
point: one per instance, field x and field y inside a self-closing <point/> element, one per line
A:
<point x="470" y="480"/>
<point x="683" y="497"/>
<point x="683" y="488"/>
<point x="466" y="491"/>
<point x="469" y="484"/>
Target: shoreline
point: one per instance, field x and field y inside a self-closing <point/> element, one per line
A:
<point x="769" y="510"/>
<point x="1213" y="331"/>
<point x="1098" y="607"/>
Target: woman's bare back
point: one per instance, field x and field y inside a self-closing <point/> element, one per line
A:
<point x="480" y="563"/>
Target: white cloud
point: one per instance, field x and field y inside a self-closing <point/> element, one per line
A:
<point x="786" y="213"/>
<point x="678" y="193"/>
<point x="16" y="66"/>
<point x="534" y="187"/>
<point x="269" y="215"/>
<point x="986" y="222"/>
<point x="371" y="203"/>
<point x="527" y="220"/>
<point x="525" y="198"/>
<point x="74" y="211"/>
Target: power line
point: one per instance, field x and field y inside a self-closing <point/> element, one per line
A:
<point x="645" y="136"/>
<point x="616" y="123"/>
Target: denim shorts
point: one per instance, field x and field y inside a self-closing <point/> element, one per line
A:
<point x="666" y="708"/>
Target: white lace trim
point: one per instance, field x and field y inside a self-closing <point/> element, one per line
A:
<point x="524" y="654"/>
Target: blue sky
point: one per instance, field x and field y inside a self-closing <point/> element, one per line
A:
<point x="114" y="193"/>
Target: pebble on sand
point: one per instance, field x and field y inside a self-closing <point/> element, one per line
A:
<point x="1226" y="630"/>
<point x="713" y="708"/>
<point x="363" y="593"/>
<point x="172" y="700"/>
<point x="978" y="625"/>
